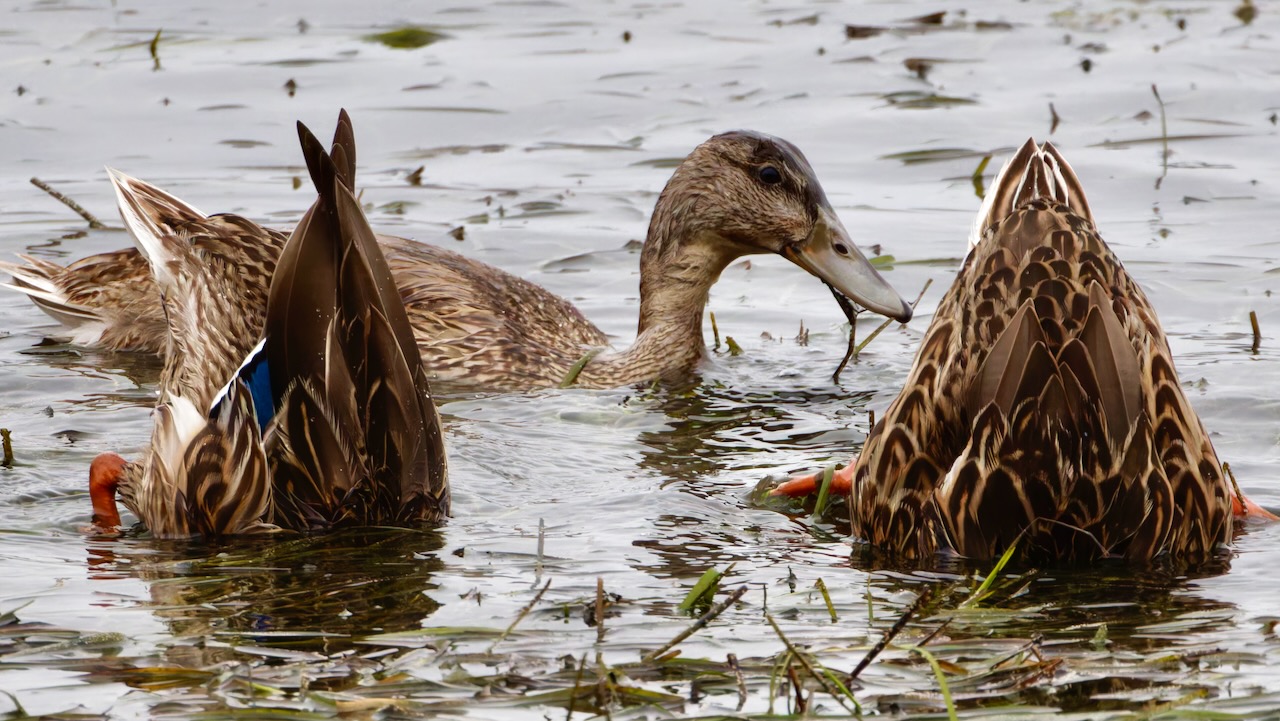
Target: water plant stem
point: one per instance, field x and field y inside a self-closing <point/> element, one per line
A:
<point x="698" y="625"/>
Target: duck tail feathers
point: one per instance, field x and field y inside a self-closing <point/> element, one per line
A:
<point x="1035" y="171"/>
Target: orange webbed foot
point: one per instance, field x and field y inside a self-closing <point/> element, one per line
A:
<point x="1244" y="508"/>
<point x="104" y="477"/>
<point x="800" y="486"/>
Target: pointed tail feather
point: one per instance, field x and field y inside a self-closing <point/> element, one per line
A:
<point x="1033" y="172"/>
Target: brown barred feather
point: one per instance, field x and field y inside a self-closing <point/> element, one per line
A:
<point x="355" y="438"/>
<point x="1043" y="408"/>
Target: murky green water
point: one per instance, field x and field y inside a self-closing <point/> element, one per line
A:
<point x="545" y="133"/>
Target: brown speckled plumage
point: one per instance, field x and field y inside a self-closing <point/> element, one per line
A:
<point x="353" y="436"/>
<point x="1043" y="407"/>
<point x="482" y="327"/>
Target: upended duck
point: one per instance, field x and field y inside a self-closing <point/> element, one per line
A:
<point x="1043" y="408"/>
<point x="326" y="421"/>
<point x="736" y="194"/>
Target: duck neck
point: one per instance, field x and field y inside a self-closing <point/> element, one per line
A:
<point x="678" y="266"/>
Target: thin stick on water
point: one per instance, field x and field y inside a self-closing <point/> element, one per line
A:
<point x="520" y="616"/>
<point x="742" y="680"/>
<point x="1164" y="137"/>
<point x="542" y="538"/>
<point x="93" y="222"/>
<point x="851" y="313"/>
<point x="698" y="625"/>
<point x="889" y="635"/>
<point x="6" y="441"/>
<point x="797" y="688"/>
<point x="1257" y="332"/>
<point x="715" y="331"/>
<point x="1226" y="467"/>
<point x="599" y="609"/>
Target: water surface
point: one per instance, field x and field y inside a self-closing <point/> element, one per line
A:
<point x="545" y="130"/>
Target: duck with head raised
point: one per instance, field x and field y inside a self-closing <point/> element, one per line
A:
<point x="738" y="193"/>
<point x="326" y="421"/>
<point x="1043" y="410"/>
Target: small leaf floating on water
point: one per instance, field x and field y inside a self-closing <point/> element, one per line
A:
<point x="410" y="37"/>
<point x="626" y="36"/>
<point x="1054" y="120"/>
<point x="458" y="233"/>
<point x="1100" y="641"/>
<point x="22" y="91"/>
<point x="291" y="87"/>
<point x="415" y="178"/>
<point x="1086" y="65"/>
<point x="1246" y="12"/>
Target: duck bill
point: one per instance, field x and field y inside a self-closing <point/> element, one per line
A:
<point x="829" y="254"/>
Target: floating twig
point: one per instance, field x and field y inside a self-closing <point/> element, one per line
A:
<point x="742" y="680"/>
<point x="798" y="689"/>
<point x="7" y="442"/>
<point x="1164" y="137"/>
<point x="698" y="625"/>
<point x="542" y="539"/>
<point x="1226" y="467"/>
<point x="889" y="635"/>
<point x="599" y="609"/>
<point x="1257" y="332"/>
<point x="93" y="222"/>
<point x="520" y="616"/>
<point x="933" y="634"/>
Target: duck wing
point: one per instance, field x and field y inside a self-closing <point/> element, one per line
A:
<point x="357" y="437"/>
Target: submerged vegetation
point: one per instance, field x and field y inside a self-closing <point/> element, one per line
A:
<point x="332" y="626"/>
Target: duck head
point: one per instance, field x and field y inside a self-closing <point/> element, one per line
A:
<point x="743" y="193"/>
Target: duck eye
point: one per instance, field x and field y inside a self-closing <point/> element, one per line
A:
<point x="769" y="175"/>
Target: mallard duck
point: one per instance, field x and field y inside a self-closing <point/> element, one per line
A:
<point x="1043" y="408"/>
<point x="325" y="421"/>
<point x="736" y="194"/>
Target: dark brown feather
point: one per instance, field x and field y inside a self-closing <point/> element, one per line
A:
<point x="1045" y="396"/>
